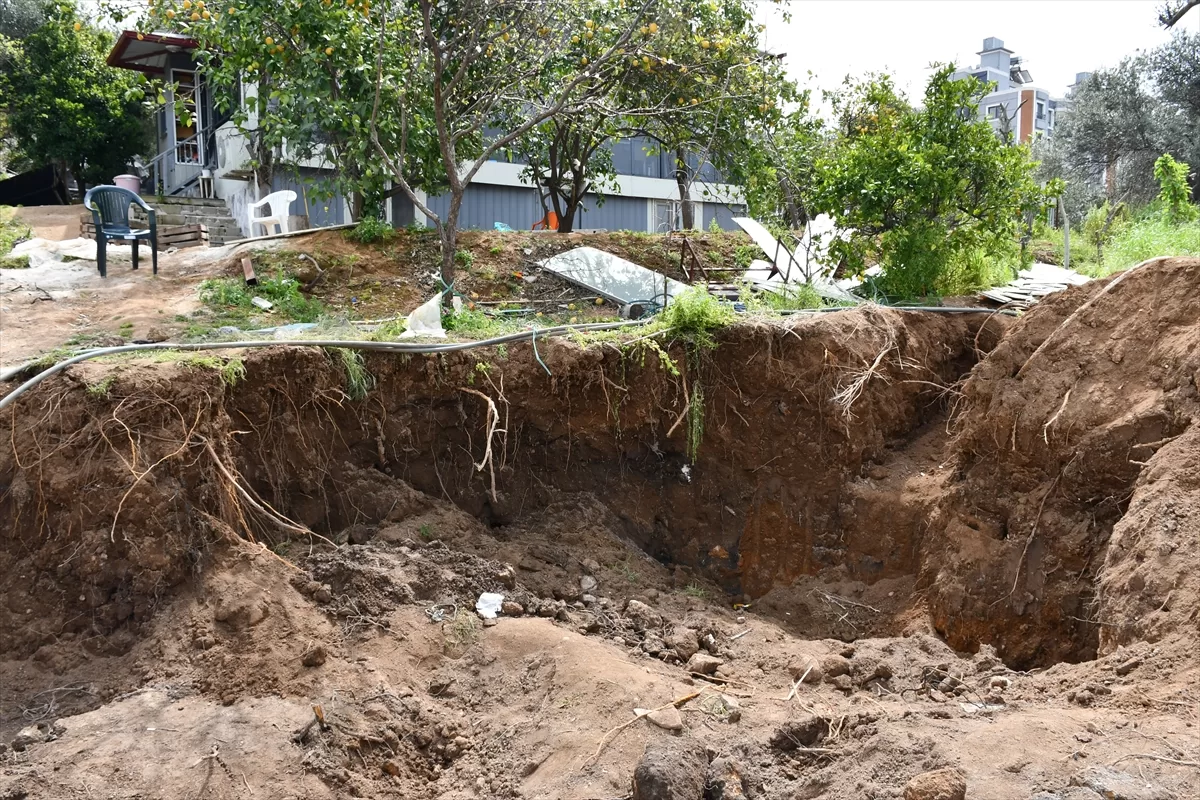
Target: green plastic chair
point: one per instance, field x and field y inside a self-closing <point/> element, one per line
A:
<point x="110" y="212"/>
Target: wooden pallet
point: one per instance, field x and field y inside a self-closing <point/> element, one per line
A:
<point x="168" y="235"/>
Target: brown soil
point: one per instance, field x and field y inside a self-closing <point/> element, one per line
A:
<point x="174" y="634"/>
<point x="68" y="303"/>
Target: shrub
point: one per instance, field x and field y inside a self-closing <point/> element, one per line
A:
<point x="371" y="230"/>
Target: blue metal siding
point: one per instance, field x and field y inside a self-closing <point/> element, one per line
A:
<point x="306" y="183"/>
<point x="484" y="205"/>
<point x="616" y="214"/>
<point x="723" y="214"/>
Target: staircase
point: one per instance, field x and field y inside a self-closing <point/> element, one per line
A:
<point x="213" y="214"/>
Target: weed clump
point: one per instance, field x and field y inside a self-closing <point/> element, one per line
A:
<point x="694" y="314"/>
<point x="371" y="230"/>
<point x="231" y="299"/>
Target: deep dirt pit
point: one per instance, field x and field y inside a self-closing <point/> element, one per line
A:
<point x="1038" y="513"/>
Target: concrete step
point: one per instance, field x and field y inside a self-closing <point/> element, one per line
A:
<point x="213" y="202"/>
<point x="210" y="220"/>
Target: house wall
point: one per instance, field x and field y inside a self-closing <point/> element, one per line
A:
<point x="723" y="214"/>
<point x="306" y="183"/>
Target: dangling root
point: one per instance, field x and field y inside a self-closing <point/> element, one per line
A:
<point x="493" y="421"/>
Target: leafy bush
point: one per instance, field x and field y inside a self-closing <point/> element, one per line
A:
<point x="371" y="230"/>
<point x="225" y="294"/>
<point x="1174" y="192"/>
<point x="976" y="269"/>
<point x="695" y="314"/>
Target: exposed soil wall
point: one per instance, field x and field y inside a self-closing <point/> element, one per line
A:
<point x="124" y="491"/>
<point x="1069" y="422"/>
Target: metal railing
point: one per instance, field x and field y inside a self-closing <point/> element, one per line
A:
<point x="161" y="169"/>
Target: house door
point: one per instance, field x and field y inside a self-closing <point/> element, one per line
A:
<point x="186" y="130"/>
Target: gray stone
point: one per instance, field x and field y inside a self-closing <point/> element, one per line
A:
<point x="26" y="737"/>
<point x="672" y="768"/>
<point x="703" y="664"/>
<point x="588" y="584"/>
<point x="685" y="642"/>
<point x="590" y="565"/>
<point x="642" y="616"/>
<point x="1127" y="667"/>
<point x="940" y="784"/>
<point x="669" y="719"/>
<point x="1112" y="784"/>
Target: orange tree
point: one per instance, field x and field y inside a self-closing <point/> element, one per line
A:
<point x="708" y="93"/>
<point x="915" y="188"/>
<point x="698" y="85"/>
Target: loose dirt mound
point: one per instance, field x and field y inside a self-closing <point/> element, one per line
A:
<point x="1056" y="426"/>
<point x="263" y="587"/>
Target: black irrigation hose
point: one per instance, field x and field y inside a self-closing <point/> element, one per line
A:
<point x="387" y="347"/>
<point x="403" y="347"/>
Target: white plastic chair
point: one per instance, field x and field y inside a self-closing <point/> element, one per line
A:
<point x="280" y="203"/>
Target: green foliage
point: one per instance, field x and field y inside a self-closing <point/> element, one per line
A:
<point x="371" y="230"/>
<point x="101" y="387"/>
<point x="464" y="258"/>
<point x="694" y="314"/>
<point x="1174" y="192"/>
<point x="918" y="187"/>
<point x="695" y="590"/>
<point x="226" y="295"/>
<point x="66" y="106"/>
<point x="12" y="233"/>
<point x="744" y="254"/>
<point x="19" y="18"/>
<point x="978" y="268"/>
<point x="358" y="380"/>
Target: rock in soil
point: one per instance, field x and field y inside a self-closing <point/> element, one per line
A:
<point x="671" y="769"/>
<point x="669" y="718"/>
<point x="26" y="737"/>
<point x="725" y="781"/>
<point x="643" y="616"/>
<point x="703" y="664"/>
<point x="314" y="657"/>
<point x="685" y="642"/>
<point x="1114" y="785"/>
<point x="940" y="784"/>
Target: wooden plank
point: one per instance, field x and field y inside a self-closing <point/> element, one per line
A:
<point x="248" y="271"/>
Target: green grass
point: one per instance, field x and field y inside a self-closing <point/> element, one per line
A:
<point x="358" y="380"/>
<point x="979" y="269"/>
<point x="12" y="232"/>
<point x="1149" y="238"/>
<point x="695" y="590"/>
<point x="101" y="387"/>
<point x="230" y="299"/>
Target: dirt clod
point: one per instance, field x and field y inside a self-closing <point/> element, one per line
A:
<point x="703" y="664"/>
<point x="314" y="657"/>
<point x="671" y="769"/>
<point x="941" y="784"/>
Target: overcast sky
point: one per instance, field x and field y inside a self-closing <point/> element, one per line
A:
<point x="1055" y="38"/>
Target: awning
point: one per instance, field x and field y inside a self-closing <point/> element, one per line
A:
<point x="149" y="53"/>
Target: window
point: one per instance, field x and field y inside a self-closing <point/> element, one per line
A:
<point x="1050" y="119"/>
<point x="1041" y="110"/>
<point x="995" y="112"/>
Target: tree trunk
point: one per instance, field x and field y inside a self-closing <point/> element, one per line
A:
<point x="687" y="210"/>
<point x="1110" y="180"/>
<point x="356" y="206"/>
<point x="448" y="230"/>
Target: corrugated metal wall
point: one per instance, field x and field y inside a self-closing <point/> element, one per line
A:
<point x="724" y="215"/>
<point x="484" y="205"/>
<point x="616" y="214"/>
<point x="321" y="211"/>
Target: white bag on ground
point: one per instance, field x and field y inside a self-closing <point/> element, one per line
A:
<point x="44" y="251"/>
<point x="426" y="320"/>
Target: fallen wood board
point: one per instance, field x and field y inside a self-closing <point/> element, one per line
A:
<point x="248" y="271"/>
<point x="612" y="277"/>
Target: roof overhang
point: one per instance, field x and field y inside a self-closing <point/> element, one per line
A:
<point x="148" y="52"/>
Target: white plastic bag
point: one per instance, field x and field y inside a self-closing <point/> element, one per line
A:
<point x="426" y="320"/>
<point x="488" y="605"/>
